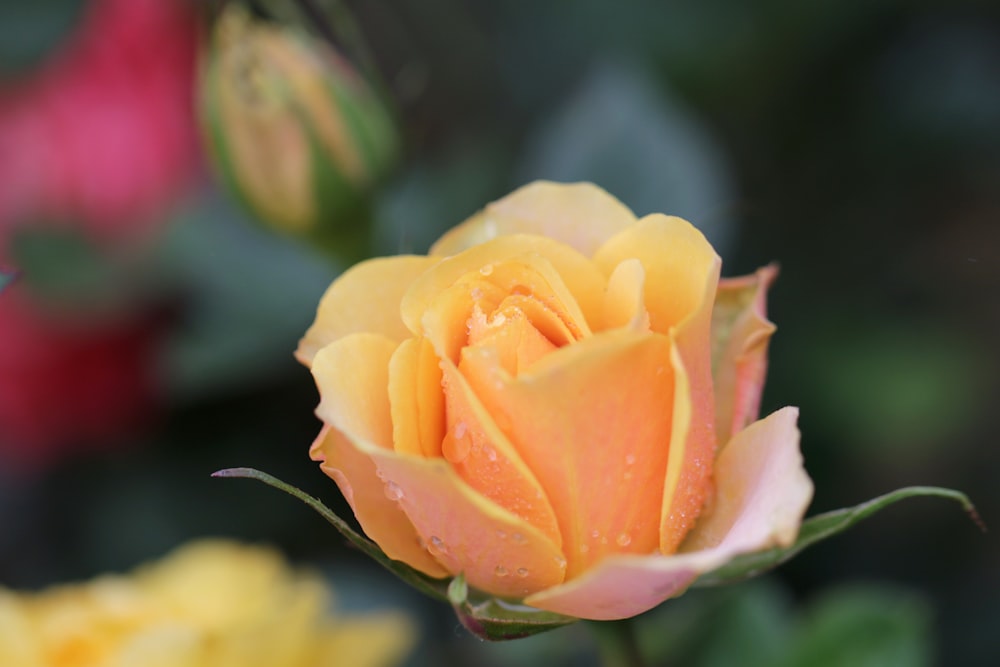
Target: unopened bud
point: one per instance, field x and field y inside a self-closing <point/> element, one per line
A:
<point x="297" y="134"/>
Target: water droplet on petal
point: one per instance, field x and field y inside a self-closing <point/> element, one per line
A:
<point x="501" y="571"/>
<point x="624" y="540"/>
<point x="456" y="450"/>
<point x="491" y="454"/>
<point x="629" y="459"/>
<point x="501" y="533"/>
<point x="522" y="572"/>
<point x="393" y="491"/>
<point x="486" y="269"/>
<point x="595" y="534"/>
<point x="476" y="293"/>
<point x="436" y="546"/>
<point x="519" y="538"/>
<point x="460" y="430"/>
<point x="584" y="548"/>
<point x="560" y="562"/>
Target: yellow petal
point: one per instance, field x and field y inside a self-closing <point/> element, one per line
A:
<point x="763" y="494"/>
<point x="567" y="283"/>
<point x="416" y="399"/>
<point x="365" y="298"/>
<point x="592" y="422"/>
<point x="580" y="215"/>
<point x="353" y="378"/>
<point x="677" y="260"/>
<point x="740" y="334"/>
<point x="624" y="300"/>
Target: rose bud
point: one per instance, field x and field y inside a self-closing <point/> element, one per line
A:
<point x="296" y="133"/>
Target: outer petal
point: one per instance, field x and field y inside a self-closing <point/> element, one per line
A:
<point x="379" y="515"/>
<point x="352" y="374"/>
<point x="740" y="334"/>
<point x="592" y="421"/>
<point x="366" y="297"/>
<point x="763" y="493"/>
<point x="580" y="215"/>
<point x="499" y="552"/>
<point x="682" y="271"/>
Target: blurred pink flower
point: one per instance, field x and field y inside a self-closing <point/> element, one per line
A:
<point x="69" y="381"/>
<point x="103" y="133"/>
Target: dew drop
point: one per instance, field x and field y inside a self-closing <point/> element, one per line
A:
<point x="501" y="571"/>
<point x="498" y="320"/>
<point x="501" y="533"/>
<point x="595" y="534"/>
<point x="460" y="430"/>
<point x="560" y="562"/>
<point x="491" y="454"/>
<point x="629" y="459"/>
<point x="519" y="538"/>
<point x="486" y="269"/>
<point x="392" y="491"/>
<point x="624" y="540"/>
<point x="436" y="546"/>
<point x="476" y="293"/>
<point x="522" y="572"/>
<point x="456" y="450"/>
<point x="584" y="548"/>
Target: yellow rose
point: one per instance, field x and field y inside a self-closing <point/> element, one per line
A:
<point x="210" y="604"/>
<point x="533" y="405"/>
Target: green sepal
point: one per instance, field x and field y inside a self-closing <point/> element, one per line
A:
<point x="485" y="616"/>
<point x="821" y="527"/>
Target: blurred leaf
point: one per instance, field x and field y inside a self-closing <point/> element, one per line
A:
<point x="864" y="627"/>
<point x="251" y="295"/>
<point x="434" y="195"/>
<point x="752" y="630"/>
<point x="638" y="142"/>
<point x="6" y="279"/>
<point x="29" y="31"/>
<point x="821" y="527"/>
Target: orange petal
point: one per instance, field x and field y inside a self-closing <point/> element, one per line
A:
<point x="740" y="334"/>
<point x="565" y="281"/>
<point x="416" y="399"/>
<point x="677" y="260"/>
<point x="373" y="505"/>
<point x="366" y="297"/>
<point x="580" y="215"/>
<point x="592" y="422"/>
<point x="763" y="494"/>
<point x="499" y="552"/>
<point x="465" y="532"/>
<point x="485" y="459"/>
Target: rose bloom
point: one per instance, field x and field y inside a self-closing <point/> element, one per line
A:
<point x="103" y="132"/>
<point x="557" y="402"/>
<point x="212" y="603"/>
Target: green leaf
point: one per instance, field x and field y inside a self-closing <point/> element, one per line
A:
<point x="821" y="527"/>
<point x="483" y="615"/>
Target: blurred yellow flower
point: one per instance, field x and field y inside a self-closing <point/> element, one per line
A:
<point x="212" y="603"/>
